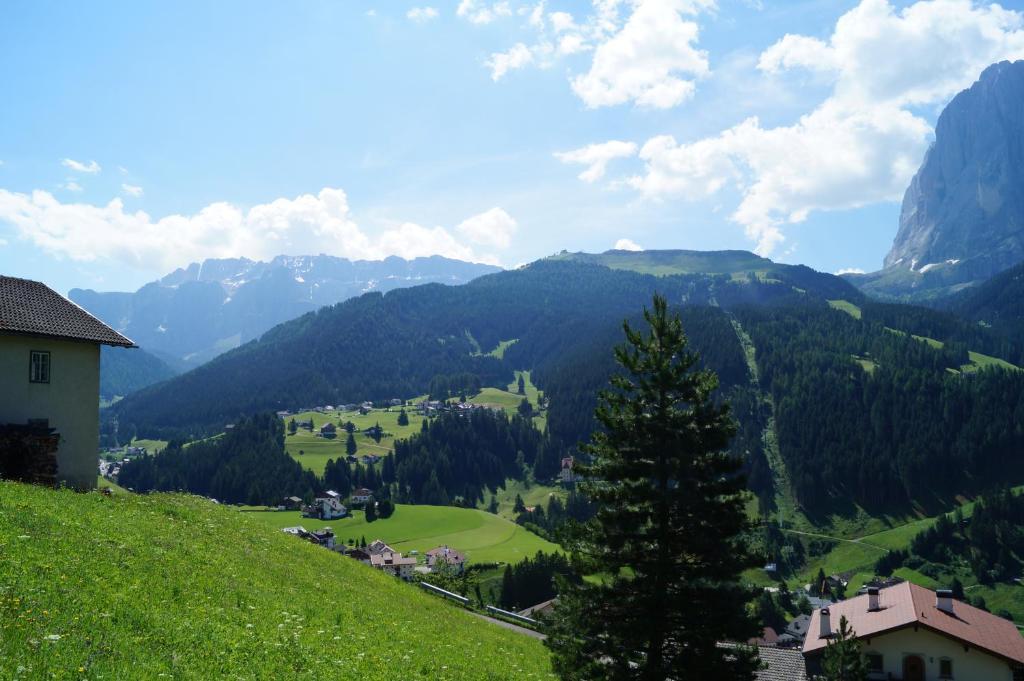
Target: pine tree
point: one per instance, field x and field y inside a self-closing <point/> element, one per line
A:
<point x="371" y="511"/>
<point x="293" y="427"/>
<point x="668" y="529"/>
<point x="519" y="506"/>
<point x="522" y="385"/>
<point x="403" y="418"/>
<point x="843" y="661"/>
<point x="350" y="445"/>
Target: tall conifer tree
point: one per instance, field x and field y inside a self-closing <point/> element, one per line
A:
<point x="668" y="533"/>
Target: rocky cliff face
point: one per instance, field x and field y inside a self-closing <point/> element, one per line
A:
<point x="964" y="210"/>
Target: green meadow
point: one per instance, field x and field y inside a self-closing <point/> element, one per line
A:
<point x="317" y="450"/>
<point x="483" y="537"/>
<point x="174" y="586"/>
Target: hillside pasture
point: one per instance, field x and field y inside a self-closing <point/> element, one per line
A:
<point x="483" y="537"/>
<point x="174" y="586"/>
<point x="317" y="450"/>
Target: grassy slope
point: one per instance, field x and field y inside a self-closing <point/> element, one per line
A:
<point x="483" y="537"/>
<point x="318" y="450"/>
<point x="533" y="495"/>
<point x="171" y="585"/>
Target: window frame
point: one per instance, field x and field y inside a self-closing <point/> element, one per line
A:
<point x="869" y="657"/>
<point x="48" y="365"/>
<point x="943" y="661"/>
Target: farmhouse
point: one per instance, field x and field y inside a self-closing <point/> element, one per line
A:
<point x="378" y="546"/>
<point x="326" y="508"/>
<point x="443" y="555"/>
<point x="567" y="475"/>
<point x="328" y="430"/>
<point x="49" y="385"/>
<point x="394" y="564"/>
<point x="361" y="495"/>
<point x="915" y="634"/>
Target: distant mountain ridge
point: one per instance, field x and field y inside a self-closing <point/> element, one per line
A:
<point x="195" y="313"/>
<point x="962" y="219"/>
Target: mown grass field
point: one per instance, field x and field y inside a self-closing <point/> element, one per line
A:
<point x="847" y="307"/>
<point x="533" y="495"/>
<point x="173" y="586"/>
<point x="483" y="537"/>
<point x="317" y="450"/>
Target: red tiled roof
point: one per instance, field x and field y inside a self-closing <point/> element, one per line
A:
<point x="33" y="308"/>
<point x="909" y="604"/>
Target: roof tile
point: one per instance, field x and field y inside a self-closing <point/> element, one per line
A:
<point x="31" y="307"/>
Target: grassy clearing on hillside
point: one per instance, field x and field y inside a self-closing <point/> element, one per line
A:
<point x="317" y="450"/>
<point x="534" y="495"/>
<point x="980" y="361"/>
<point x="483" y="537"/>
<point x="847" y="307"/>
<point x="499" y="351"/>
<point x="103" y="483"/>
<point x="152" y="446"/>
<point x="148" y="586"/>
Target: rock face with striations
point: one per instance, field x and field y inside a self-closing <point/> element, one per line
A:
<point x="964" y="210"/>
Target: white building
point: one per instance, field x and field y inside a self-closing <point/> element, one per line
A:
<point x="911" y="633"/>
<point x="327" y="508"/>
<point x="50" y="379"/>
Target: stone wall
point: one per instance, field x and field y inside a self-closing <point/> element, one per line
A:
<point x="29" y="454"/>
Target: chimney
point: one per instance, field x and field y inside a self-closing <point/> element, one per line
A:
<point x="944" y="600"/>
<point x="825" y="630"/>
<point x="873" y="599"/>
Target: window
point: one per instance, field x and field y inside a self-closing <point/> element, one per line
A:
<point x="39" y="367"/>
<point x="945" y="668"/>
<point x="874" y="661"/>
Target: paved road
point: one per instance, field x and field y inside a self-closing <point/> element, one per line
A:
<point x="514" y="627"/>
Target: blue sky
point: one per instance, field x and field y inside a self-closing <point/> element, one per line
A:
<point x="366" y="129"/>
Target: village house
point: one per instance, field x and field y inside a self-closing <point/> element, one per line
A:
<point x="326" y="508"/>
<point x="328" y="430"/>
<point x="378" y="546"/>
<point x="442" y="555"/>
<point x="361" y="495"/>
<point x="911" y="633"/>
<point x="49" y="385"/>
<point x="395" y="564"/>
<point x="291" y="503"/>
<point x="566" y="475"/>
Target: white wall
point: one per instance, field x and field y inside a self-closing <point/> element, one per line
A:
<point x="70" y="400"/>
<point x="974" y="665"/>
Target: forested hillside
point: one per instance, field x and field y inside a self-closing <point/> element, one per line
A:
<point x="384" y="346"/>
<point x="875" y="404"/>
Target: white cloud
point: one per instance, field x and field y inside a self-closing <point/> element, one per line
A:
<point x="92" y="167"/>
<point x="71" y="186"/>
<point x="627" y="245"/>
<point x="477" y="12"/>
<point x="422" y="14"/>
<point x="596" y="157"/>
<point x="863" y="142"/>
<point x="319" y="223"/>
<point x="3" y="242"/>
<point x="493" y="228"/>
<point x="501" y="63"/>
<point x="849" y="270"/>
<point x="131" y="190"/>
<point x="652" y="61"/>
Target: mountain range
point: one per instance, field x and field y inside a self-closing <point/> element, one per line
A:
<point x="195" y="313"/>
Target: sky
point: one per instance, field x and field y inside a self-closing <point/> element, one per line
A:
<point x="136" y="138"/>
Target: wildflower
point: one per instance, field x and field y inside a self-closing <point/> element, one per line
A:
<point x="53" y="637"/>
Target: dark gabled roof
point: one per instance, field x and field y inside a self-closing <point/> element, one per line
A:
<point x="781" y="664"/>
<point x="31" y="307"/>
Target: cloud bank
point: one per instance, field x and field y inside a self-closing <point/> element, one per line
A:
<point x="320" y="223"/>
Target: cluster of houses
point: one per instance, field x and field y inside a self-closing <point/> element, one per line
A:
<point x="377" y="554"/>
<point x="906" y="633"/>
<point x="329" y="506"/>
<point x="435" y="407"/>
<point x="363" y="407"/>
